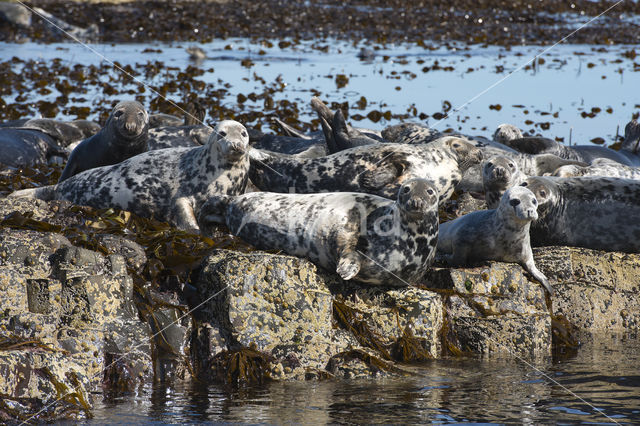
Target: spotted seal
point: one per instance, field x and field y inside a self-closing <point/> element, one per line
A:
<point x="360" y="236"/>
<point x="593" y="212"/>
<point x="499" y="174"/>
<point x="375" y="169"/>
<point x="629" y="153"/>
<point x="169" y="184"/>
<point x="124" y="135"/>
<point x="500" y="234"/>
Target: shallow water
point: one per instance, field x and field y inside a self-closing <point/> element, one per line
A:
<point x="574" y="92"/>
<point x="605" y="373"/>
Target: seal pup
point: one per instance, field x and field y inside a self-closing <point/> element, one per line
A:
<point x="499" y="174"/>
<point x="500" y="234"/>
<point x="168" y="184"/>
<point x="592" y="212"/>
<point x="600" y="167"/>
<point x="124" y="135"/>
<point x="362" y="237"/>
<point x="375" y="169"/>
<point x="627" y="155"/>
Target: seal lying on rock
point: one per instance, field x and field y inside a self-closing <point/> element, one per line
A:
<point x="501" y="234"/>
<point x="168" y="184"/>
<point x="499" y="174"/>
<point x="591" y="212"/>
<point x="374" y="169"/>
<point x="27" y="147"/>
<point x="124" y="135"/>
<point x="628" y="153"/>
<point x="362" y="237"/>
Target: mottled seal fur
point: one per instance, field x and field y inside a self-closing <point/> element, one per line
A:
<point x="178" y="136"/>
<point x="169" y="184"/>
<point x="499" y="174"/>
<point x="124" y="135"/>
<point x="627" y="155"/>
<point x="374" y="169"/>
<point x="592" y="212"/>
<point x="500" y="234"/>
<point x="360" y="236"/>
<point x="601" y="167"/>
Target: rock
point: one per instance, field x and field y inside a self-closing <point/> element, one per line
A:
<point x="278" y="304"/>
<point x="596" y="291"/>
<point x="493" y="310"/>
<point x="69" y="310"/>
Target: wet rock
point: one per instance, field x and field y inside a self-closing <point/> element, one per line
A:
<point x="595" y="290"/>
<point x="68" y="310"/>
<point x="279" y="305"/>
<point x="493" y="310"/>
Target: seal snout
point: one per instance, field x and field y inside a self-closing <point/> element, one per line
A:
<point x="418" y="195"/>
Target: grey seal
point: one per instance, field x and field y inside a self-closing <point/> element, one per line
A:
<point x="375" y="169"/>
<point x="500" y="234"/>
<point x="627" y="155"/>
<point x="600" y="167"/>
<point x="499" y="174"/>
<point x="362" y="237"/>
<point x="592" y="212"/>
<point x="27" y="147"/>
<point x="169" y="184"/>
<point x="124" y="135"/>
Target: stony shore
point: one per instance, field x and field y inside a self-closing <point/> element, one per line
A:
<point x="75" y="321"/>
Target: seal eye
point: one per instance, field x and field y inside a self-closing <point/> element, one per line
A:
<point x="244" y="134"/>
<point x="456" y="145"/>
<point x="489" y="164"/>
<point x="514" y="202"/>
<point x="511" y="166"/>
<point x="523" y="184"/>
<point x="542" y="193"/>
<point x="222" y="133"/>
<point x="406" y="190"/>
<point x="535" y="202"/>
<point x="430" y="191"/>
<point x="118" y="113"/>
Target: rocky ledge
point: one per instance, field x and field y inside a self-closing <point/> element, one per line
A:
<point x="74" y="321"/>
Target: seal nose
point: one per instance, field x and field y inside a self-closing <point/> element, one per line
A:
<point x="130" y="126"/>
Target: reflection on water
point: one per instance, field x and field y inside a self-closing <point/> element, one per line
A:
<point x="604" y="372"/>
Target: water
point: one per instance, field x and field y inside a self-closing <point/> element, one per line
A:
<point x="555" y="98"/>
<point x="574" y="92"/>
<point x="605" y="372"/>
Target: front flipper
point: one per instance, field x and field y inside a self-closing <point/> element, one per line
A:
<point x="288" y="130"/>
<point x="385" y="173"/>
<point x="183" y="215"/>
<point x="345" y="137"/>
<point x="328" y="136"/>
<point x="348" y="265"/>
<point x="530" y="266"/>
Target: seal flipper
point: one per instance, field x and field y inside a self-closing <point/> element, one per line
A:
<point x="530" y="266"/>
<point x="348" y="265"/>
<point x="289" y="131"/>
<point x="532" y="145"/>
<point x="213" y="210"/>
<point x="549" y="163"/>
<point x="328" y="136"/>
<point x="385" y="173"/>
<point x="345" y="137"/>
<point x="184" y="215"/>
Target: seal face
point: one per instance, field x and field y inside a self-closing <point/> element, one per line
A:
<point x="499" y="174"/>
<point x="592" y="212"/>
<point x="375" y="169"/>
<point x="169" y="184"/>
<point x="500" y="234"/>
<point x="124" y="135"/>
<point x="360" y="236"/>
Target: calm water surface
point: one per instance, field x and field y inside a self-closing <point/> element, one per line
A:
<point x="604" y="372"/>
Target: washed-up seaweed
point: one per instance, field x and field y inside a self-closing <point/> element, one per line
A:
<point x="241" y="367"/>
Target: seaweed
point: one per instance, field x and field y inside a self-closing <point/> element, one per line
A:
<point x="564" y="342"/>
<point x="409" y="348"/>
<point x="373" y="362"/>
<point x="242" y="367"/>
<point x="351" y="320"/>
<point x="13" y="342"/>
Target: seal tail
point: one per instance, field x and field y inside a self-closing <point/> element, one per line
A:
<point x="213" y="210"/>
<point x="46" y="193"/>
